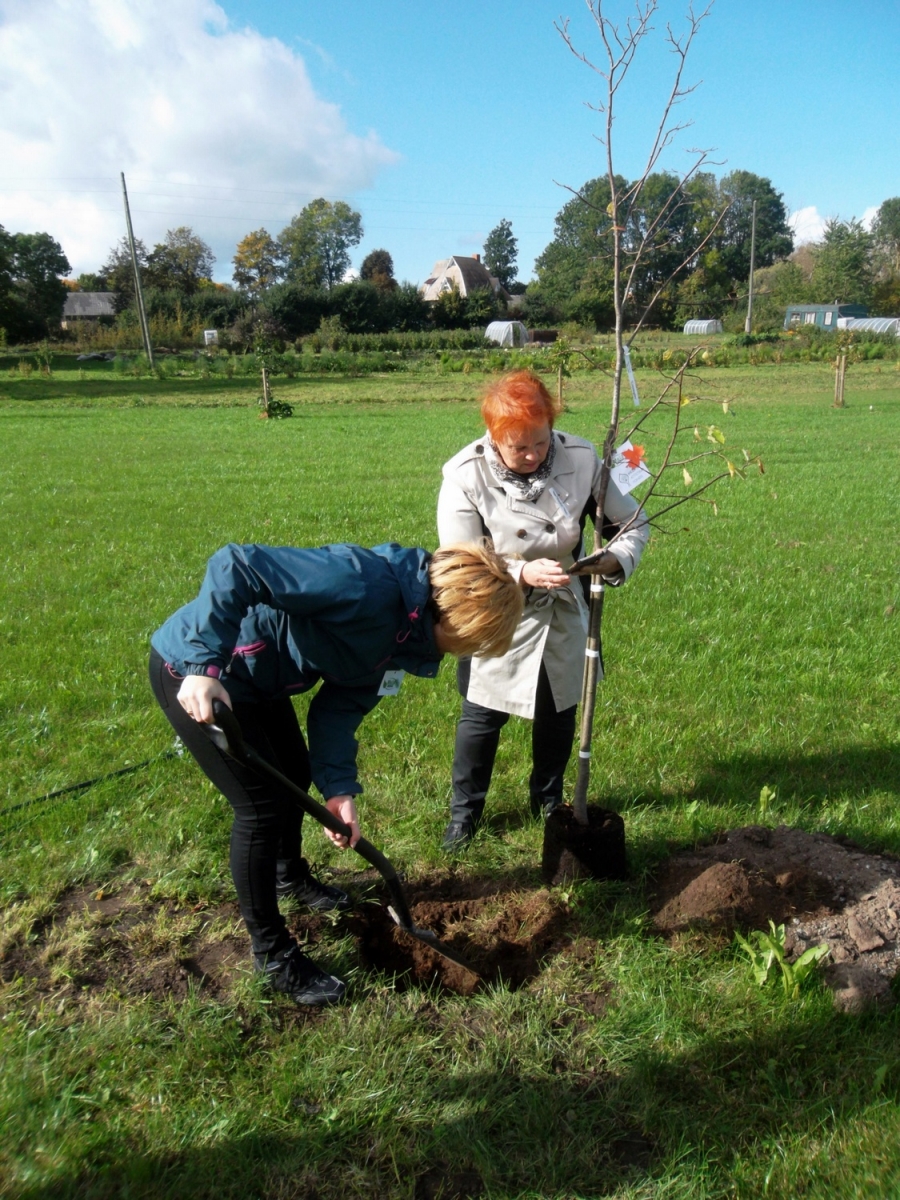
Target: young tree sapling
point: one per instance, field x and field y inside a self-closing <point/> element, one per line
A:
<point x="569" y="844"/>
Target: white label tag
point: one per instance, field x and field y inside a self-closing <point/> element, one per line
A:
<point x="390" y="685"/>
<point x="628" y="467"/>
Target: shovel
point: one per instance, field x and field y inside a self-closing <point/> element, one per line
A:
<point x="227" y="736"/>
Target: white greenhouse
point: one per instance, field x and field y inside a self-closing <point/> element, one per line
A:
<point x="507" y="333"/>
<point x="871" y="324"/>
<point x="703" y="327"/>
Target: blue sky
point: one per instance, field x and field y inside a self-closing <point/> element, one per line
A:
<point x="434" y="120"/>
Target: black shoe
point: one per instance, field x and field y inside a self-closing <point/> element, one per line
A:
<point x="320" y="897"/>
<point x="543" y="808"/>
<point x="458" y="835"/>
<point x="297" y="976"/>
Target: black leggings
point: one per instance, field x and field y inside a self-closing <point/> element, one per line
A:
<point x="265" y="835"/>
<point x="477" y="739"/>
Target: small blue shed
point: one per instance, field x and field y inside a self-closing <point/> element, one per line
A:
<point x="823" y="315"/>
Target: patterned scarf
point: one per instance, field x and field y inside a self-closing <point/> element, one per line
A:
<point x="531" y="486"/>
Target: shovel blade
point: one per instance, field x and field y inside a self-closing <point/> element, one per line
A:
<point x="227" y="736"/>
<point x="429" y="939"/>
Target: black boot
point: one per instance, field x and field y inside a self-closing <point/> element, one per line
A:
<point x="296" y="880"/>
<point x="292" y="972"/>
<point x="458" y="835"/>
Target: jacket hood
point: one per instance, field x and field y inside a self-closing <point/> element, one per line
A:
<point x="410" y="569"/>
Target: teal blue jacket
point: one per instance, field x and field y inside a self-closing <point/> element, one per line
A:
<point x="273" y="620"/>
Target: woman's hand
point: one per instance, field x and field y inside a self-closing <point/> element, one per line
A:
<point x="606" y="565"/>
<point x="344" y="809"/>
<point x="544" y="573"/>
<point x="196" y="696"/>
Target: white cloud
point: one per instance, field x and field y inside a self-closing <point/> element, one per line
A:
<point x="807" y="225"/>
<point x="214" y="126"/>
<point x="869" y="215"/>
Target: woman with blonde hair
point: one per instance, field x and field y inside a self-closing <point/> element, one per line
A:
<point x="271" y="621"/>
<point x="529" y="488"/>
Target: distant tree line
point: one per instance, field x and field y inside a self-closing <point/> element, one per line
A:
<point x="574" y="273"/>
<point x="290" y="284"/>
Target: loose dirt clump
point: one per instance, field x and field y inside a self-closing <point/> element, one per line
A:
<point x="823" y="890"/>
<point x="442" y="1182"/>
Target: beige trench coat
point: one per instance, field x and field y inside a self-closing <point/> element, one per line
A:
<point x="473" y="503"/>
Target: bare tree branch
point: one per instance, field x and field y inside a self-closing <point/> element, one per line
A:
<point x="659" y="291"/>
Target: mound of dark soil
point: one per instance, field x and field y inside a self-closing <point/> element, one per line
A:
<point x="823" y="890"/>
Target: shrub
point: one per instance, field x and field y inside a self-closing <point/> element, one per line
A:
<point x="298" y="310"/>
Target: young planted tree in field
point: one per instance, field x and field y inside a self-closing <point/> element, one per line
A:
<point x="638" y="221"/>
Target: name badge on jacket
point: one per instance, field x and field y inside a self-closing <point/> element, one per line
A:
<point x="390" y="685"/>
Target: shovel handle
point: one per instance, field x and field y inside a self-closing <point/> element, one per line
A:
<point x="227" y="735"/>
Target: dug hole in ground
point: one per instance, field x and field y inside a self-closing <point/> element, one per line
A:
<point x="824" y="890"/>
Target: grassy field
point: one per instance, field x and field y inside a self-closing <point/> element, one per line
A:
<point x="757" y="647"/>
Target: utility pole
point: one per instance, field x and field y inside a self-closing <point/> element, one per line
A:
<point x="145" y="328"/>
<point x="748" y="324"/>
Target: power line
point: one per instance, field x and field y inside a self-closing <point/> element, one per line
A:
<point x="290" y="194"/>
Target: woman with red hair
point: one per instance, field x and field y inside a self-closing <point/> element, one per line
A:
<point x="530" y="488"/>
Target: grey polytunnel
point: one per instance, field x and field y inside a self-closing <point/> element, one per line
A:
<point x="507" y="333"/>
<point x="702" y="327"/>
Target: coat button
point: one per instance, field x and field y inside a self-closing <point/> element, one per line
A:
<point x="522" y="533"/>
<point x="479" y="449"/>
<point x="550" y="528"/>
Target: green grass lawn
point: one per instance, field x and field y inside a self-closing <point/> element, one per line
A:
<point x="755" y="647"/>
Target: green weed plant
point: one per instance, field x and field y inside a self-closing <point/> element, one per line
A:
<point x="766" y="951"/>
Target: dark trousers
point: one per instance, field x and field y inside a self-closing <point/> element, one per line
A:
<point x="265" y="835"/>
<point x="477" y="739"/>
